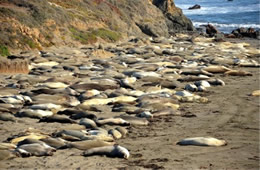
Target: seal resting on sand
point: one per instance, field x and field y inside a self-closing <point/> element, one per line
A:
<point x="35" y="149"/>
<point x="110" y="151"/>
<point x="202" y="141"/>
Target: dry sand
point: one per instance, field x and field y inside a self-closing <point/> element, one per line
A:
<point x="232" y="114"/>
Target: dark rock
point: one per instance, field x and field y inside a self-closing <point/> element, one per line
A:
<point x="219" y="37"/>
<point x="211" y="30"/>
<point x="243" y="32"/>
<point x="151" y="29"/>
<point x="194" y="7"/>
<point x="174" y="17"/>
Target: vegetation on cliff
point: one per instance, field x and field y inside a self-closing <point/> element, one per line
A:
<point x="36" y="24"/>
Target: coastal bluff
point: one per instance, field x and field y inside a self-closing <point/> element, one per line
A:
<point x="37" y="24"/>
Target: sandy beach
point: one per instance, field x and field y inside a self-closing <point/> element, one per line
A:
<point x="232" y="114"/>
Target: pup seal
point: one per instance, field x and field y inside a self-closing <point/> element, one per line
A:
<point x="109" y="151"/>
<point x="202" y="141"/>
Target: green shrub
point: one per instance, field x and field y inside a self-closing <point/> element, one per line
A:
<point x="83" y="37"/>
<point x="107" y="34"/>
<point x="4" y="51"/>
<point x="91" y="36"/>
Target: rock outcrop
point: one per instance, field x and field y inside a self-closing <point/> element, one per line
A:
<point x="38" y="24"/>
<point x="243" y="32"/>
<point x="175" y="19"/>
<point x="194" y="7"/>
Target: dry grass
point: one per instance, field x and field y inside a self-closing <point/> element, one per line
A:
<point x="13" y="66"/>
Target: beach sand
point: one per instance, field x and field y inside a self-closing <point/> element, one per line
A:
<point x="232" y="114"/>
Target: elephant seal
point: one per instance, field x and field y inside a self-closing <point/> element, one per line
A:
<point x="256" y="93"/>
<point x="11" y="100"/>
<point x="112" y="121"/>
<point x="238" y="73"/>
<point x="122" y="130"/>
<point x="5" y="146"/>
<point x="195" y="72"/>
<point x="53" y="85"/>
<point x="202" y="141"/>
<point x="145" y="114"/>
<point x="71" y="135"/>
<point x="35" y="149"/>
<point x="29" y="141"/>
<point x="193" y="78"/>
<point x="128" y="82"/>
<point x="203" y="83"/>
<point x="82" y="114"/>
<point x="38" y="114"/>
<point x="134" y="120"/>
<point x="31" y="136"/>
<point x="88" y="144"/>
<point x="165" y="112"/>
<point x="88" y="123"/>
<point x="216" y="82"/>
<point x="191" y="87"/>
<point x="57" y="118"/>
<point x="7" y="117"/>
<point x="115" y="133"/>
<point x="216" y="69"/>
<point x="110" y="151"/>
<point x="56" y="143"/>
<point x="46" y="106"/>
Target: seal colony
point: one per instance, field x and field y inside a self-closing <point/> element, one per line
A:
<point x="98" y="101"/>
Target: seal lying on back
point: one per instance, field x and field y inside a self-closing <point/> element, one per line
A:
<point x="202" y="141"/>
<point x="110" y="151"/>
<point x="35" y="149"/>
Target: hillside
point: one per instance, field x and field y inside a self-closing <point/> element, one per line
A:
<point x="38" y="24"/>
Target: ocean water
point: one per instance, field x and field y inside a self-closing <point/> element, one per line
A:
<point x="223" y="14"/>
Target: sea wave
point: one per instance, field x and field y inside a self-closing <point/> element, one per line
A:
<point x="218" y="25"/>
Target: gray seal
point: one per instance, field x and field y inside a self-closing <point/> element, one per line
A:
<point x="109" y="151"/>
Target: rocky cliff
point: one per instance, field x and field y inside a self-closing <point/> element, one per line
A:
<point x="37" y="24"/>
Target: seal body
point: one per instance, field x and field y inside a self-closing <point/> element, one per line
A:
<point x="35" y="149"/>
<point x="202" y="141"/>
<point x="110" y="151"/>
<point x="88" y="144"/>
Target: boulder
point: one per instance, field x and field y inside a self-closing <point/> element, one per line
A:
<point x="194" y="7"/>
<point x="175" y="19"/>
<point x="243" y="32"/>
<point x="211" y="30"/>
